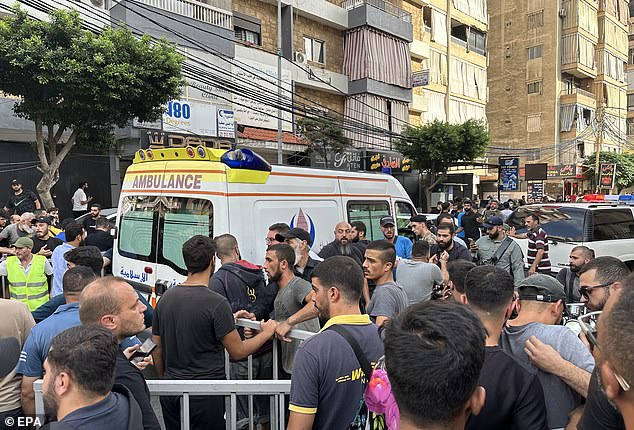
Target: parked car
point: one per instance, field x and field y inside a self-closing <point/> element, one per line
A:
<point x="606" y="228"/>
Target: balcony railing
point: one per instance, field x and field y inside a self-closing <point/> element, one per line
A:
<point x="575" y="90"/>
<point x="212" y="13"/>
<point x="379" y="4"/>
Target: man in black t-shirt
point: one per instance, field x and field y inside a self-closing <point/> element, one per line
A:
<point x="469" y="222"/>
<point x="22" y="200"/>
<point x="89" y="222"/>
<point x="192" y="326"/>
<point x="43" y="243"/>
<point x="514" y="395"/>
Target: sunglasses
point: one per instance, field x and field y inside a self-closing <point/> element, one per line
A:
<point x="585" y="289"/>
<point x="588" y="324"/>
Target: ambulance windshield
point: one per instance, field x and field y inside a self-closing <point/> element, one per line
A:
<point x="154" y="228"/>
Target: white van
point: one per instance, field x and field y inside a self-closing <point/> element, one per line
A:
<point x="170" y="195"/>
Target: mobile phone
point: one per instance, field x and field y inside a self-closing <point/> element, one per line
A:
<point x="144" y="350"/>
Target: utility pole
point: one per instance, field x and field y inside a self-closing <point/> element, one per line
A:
<point x="279" y="82"/>
<point x="599" y="141"/>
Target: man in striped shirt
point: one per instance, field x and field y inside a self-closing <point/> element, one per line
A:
<point x="538" y="259"/>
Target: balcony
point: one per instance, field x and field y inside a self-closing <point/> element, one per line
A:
<point x="214" y="12"/>
<point x="381" y="15"/>
<point x="419" y="104"/>
<point x="419" y="50"/>
<point x="576" y="95"/>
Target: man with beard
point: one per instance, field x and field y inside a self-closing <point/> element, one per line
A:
<point x="499" y="250"/>
<point x="79" y="387"/>
<point x="80" y="200"/>
<point x="402" y="245"/>
<point x="569" y="276"/>
<point x="112" y="303"/>
<point x="616" y="343"/>
<point x="446" y="242"/>
<point x="293" y="303"/>
<point x="13" y="232"/>
<point x="22" y="200"/>
<point x="89" y="222"/>
<point x="43" y="243"/>
<point x="318" y="400"/>
<point x="389" y="298"/>
<point x="358" y="235"/>
<point x="600" y="280"/>
<point x="419" y="227"/>
<point x="469" y="222"/>
<point x="341" y="245"/>
<point x="492" y="210"/>
<point x="300" y="241"/>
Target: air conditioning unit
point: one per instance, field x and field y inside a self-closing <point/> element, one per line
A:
<point x="300" y="57"/>
<point x="562" y="13"/>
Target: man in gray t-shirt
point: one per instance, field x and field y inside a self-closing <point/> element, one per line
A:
<point x="417" y="276"/>
<point x="293" y="304"/>
<point x="389" y="298"/>
<point x="564" y="364"/>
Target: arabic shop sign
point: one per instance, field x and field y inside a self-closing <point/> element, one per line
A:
<point x="565" y="171"/>
<point x="348" y="159"/>
<point x="387" y="162"/>
<point x="608" y="172"/>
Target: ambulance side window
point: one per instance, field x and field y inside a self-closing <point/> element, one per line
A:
<point x="404" y="211"/>
<point x="370" y="213"/>
<point x="137" y="227"/>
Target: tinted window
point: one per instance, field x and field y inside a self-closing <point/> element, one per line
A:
<point x="370" y="213"/>
<point x="559" y="222"/>
<point x="404" y="211"/>
<point x="137" y="227"/>
<point x="612" y="224"/>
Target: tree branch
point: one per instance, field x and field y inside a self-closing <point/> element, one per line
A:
<point x="65" y="150"/>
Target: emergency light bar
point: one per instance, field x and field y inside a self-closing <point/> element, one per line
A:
<point x="608" y="198"/>
<point x="245" y="159"/>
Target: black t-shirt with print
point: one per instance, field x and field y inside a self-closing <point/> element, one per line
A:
<point x="23" y="202"/>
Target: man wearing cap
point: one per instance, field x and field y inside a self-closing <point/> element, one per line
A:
<point x="300" y="240"/>
<point x="22" y="200"/>
<point x="497" y="249"/>
<point x="43" y="243"/>
<point x="536" y="339"/>
<point x="419" y="227"/>
<point x="402" y="244"/>
<point x="26" y="274"/>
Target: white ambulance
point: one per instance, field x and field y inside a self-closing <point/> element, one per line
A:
<point x="170" y="195"/>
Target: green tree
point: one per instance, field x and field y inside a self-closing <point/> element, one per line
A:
<point x="76" y="85"/>
<point x="624" y="168"/>
<point x="324" y="134"/>
<point x="434" y="147"/>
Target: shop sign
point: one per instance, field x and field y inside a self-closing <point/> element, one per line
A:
<point x="508" y="175"/>
<point x="349" y="160"/>
<point x="608" y="172"/>
<point x="387" y="162"/>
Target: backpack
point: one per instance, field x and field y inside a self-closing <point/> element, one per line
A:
<point x="364" y="418"/>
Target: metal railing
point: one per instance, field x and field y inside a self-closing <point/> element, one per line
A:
<point x="575" y="90"/>
<point x="381" y="5"/>
<point x="204" y="12"/>
<point x="275" y="389"/>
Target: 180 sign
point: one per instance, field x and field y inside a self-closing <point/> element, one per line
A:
<point x="178" y="110"/>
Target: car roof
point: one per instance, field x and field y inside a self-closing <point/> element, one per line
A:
<point x="591" y="205"/>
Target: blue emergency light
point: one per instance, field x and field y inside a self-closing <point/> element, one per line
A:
<point x="245" y="159"/>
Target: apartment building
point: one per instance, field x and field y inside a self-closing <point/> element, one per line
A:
<point x="449" y="60"/>
<point x="630" y="81"/>
<point x="557" y="79"/>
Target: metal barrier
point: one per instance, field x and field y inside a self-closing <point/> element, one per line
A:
<point x="275" y="389"/>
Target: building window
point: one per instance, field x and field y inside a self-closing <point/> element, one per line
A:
<point x="630" y="126"/>
<point x="248" y="29"/>
<point x="535" y="19"/>
<point x="535" y="87"/>
<point x="534" y="123"/>
<point x="427" y="19"/>
<point x="477" y="41"/>
<point x="630" y="56"/>
<point x="534" y="52"/>
<point x="630" y="102"/>
<point x="315" y="50"/>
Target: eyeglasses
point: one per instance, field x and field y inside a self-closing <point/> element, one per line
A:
<point x="268" y="240"/>
<point x="588" y="324"/>
<point x="584" y="290"/>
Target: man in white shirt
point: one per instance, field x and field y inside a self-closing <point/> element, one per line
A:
<point x="80" y="200"/>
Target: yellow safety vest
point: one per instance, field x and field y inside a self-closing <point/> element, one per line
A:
<point x="31" y="290"/>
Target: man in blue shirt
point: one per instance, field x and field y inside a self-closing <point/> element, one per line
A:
<point x="36" y="348"/>
<point x="74" y="235"/>
<point x="402" y="244"/>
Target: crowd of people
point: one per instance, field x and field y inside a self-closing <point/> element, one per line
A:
<point x="446" y="331"/>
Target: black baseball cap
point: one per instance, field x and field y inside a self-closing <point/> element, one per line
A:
<point x="418" y="218"/>
<point x="43" y="219"/>
<point x="16" y="182"/>
<point x="295" y="233"/>
<point x="549" y="288"/>
<point x="493" y="221"/>
<point x="387" y="220"/>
